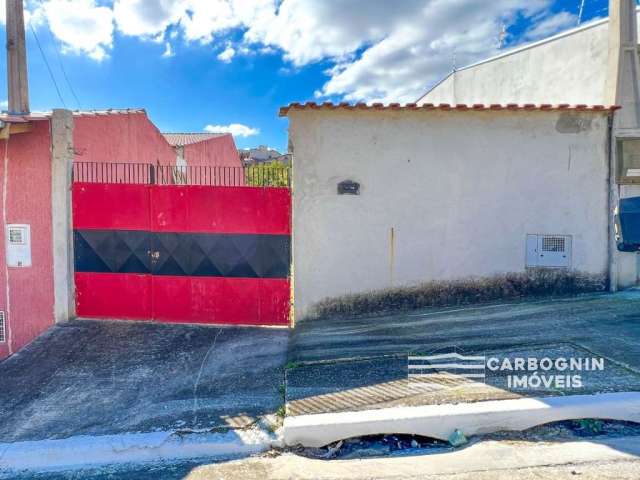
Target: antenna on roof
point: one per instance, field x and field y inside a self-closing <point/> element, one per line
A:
<point x="580" y="12"/>
<point x="453" y="60"/>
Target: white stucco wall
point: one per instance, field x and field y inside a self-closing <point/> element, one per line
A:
<point x="568" y="68"/>
<point x="460" y="189"/>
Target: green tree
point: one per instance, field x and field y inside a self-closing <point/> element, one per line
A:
<point x="268" y="174"/>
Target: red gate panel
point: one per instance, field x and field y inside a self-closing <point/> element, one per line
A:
<point x="195" y="208"/>
<point x="178" y="253"/>
<point x="113" y="295"/>
<point x="111" y="206"/>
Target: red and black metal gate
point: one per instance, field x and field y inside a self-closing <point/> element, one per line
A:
<point x="182" y="244"/>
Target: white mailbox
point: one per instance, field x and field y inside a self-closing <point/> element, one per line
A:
<point x="18" y="241"/>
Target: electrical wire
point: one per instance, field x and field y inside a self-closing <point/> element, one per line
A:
<point x="44" y="57"/>
<point x="580" y="12"/>
<point x="64" y="71"/>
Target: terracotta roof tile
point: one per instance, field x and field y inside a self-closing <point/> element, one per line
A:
<point x="284" y="111"/>
<point x="185" y="138"/>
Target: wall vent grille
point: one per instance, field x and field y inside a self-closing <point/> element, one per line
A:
<point x="3" y="336"/>
<point x="549" y="251"/>
<point x="553" y="244"/>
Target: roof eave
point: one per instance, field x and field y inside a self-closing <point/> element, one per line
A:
<point x="284" y="111"/>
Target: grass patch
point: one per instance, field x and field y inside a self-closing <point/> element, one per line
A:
<point x="510" y="286"/>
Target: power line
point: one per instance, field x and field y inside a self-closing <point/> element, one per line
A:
<point x="580" y="12"/>
<point x="58" y="47"/>
<point x="64" y="71"/>
<point x="44" y="57"/>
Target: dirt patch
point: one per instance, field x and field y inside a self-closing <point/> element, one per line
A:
<point x="531" y="284"/>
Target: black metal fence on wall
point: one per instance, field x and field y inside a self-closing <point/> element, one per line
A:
<point x="258" y="175"/>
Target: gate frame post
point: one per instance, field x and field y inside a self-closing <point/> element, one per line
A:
<point x="62" y="154"/>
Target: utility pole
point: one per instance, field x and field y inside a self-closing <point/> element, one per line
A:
<point x="17" y="59"/>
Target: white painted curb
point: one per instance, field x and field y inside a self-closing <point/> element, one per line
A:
<point x="439" y="421"/>
<point x="81" y="451"/>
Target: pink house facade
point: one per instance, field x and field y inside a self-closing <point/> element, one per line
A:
<point x="38" y="152"/>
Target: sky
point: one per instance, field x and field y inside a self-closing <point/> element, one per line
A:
<point x="228" y="65"/>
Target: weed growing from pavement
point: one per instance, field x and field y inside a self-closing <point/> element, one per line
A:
<point x="510" y="286"/>
<point x="291" y="365"/>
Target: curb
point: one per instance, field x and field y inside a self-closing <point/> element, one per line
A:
<point x="440" y="421"/>
<point x="87" y="450"/>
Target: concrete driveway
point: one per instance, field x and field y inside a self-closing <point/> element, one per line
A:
<point x="105" y="378"/>
<point x="360" y="363"/>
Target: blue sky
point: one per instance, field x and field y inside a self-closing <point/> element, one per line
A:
<point x="198" y="63"/>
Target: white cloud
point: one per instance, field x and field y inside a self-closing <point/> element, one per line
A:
<point x="377" y="51"/>
<point x="82" y="26"/>
<point x="235" y="129"/>
<point x="168" y="50"/>
<point x="148" y="18"/>
<point x="227" y="54"/>
<point x="4" y="104"/>
<point x="552" y="24"/>
<point x="384" y="54"/>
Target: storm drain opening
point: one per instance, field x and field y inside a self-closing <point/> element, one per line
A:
<point x="371" y="446"/>
<point x="3" y="336"/>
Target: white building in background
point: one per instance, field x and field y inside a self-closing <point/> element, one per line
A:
<point x="596" y="63"/>
<point x="570" y="67"/>
<point x="392" y="196"/>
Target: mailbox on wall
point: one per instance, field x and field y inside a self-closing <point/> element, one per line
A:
<point x="18" y="242"/>
<point x="627" y="225"/>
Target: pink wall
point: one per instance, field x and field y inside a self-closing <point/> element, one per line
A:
<point x="128" y="137"/>
<point x="28" y="200"/>
<point x="217" y="151"/>
<point x="120" y="137"/>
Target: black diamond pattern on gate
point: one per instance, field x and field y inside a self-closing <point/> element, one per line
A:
<point x="171" y="254"/>
<point x="116" y="251"/>
<point x="194" y="254"/>
<point x="201" y="264"/>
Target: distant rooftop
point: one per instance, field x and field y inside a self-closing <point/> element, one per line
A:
<point x="33" y="116"/>
<point x="181" y="139"/>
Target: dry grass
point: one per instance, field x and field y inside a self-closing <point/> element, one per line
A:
<point x="534" y="283"/>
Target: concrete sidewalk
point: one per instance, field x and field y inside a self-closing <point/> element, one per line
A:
<point x="90" y="378"/>
<point x="360" y="363"/>
<point x="617" y="458"/>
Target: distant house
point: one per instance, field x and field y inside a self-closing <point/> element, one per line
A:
<point x="262" y="154"/>
<point x="204" y="149"/>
